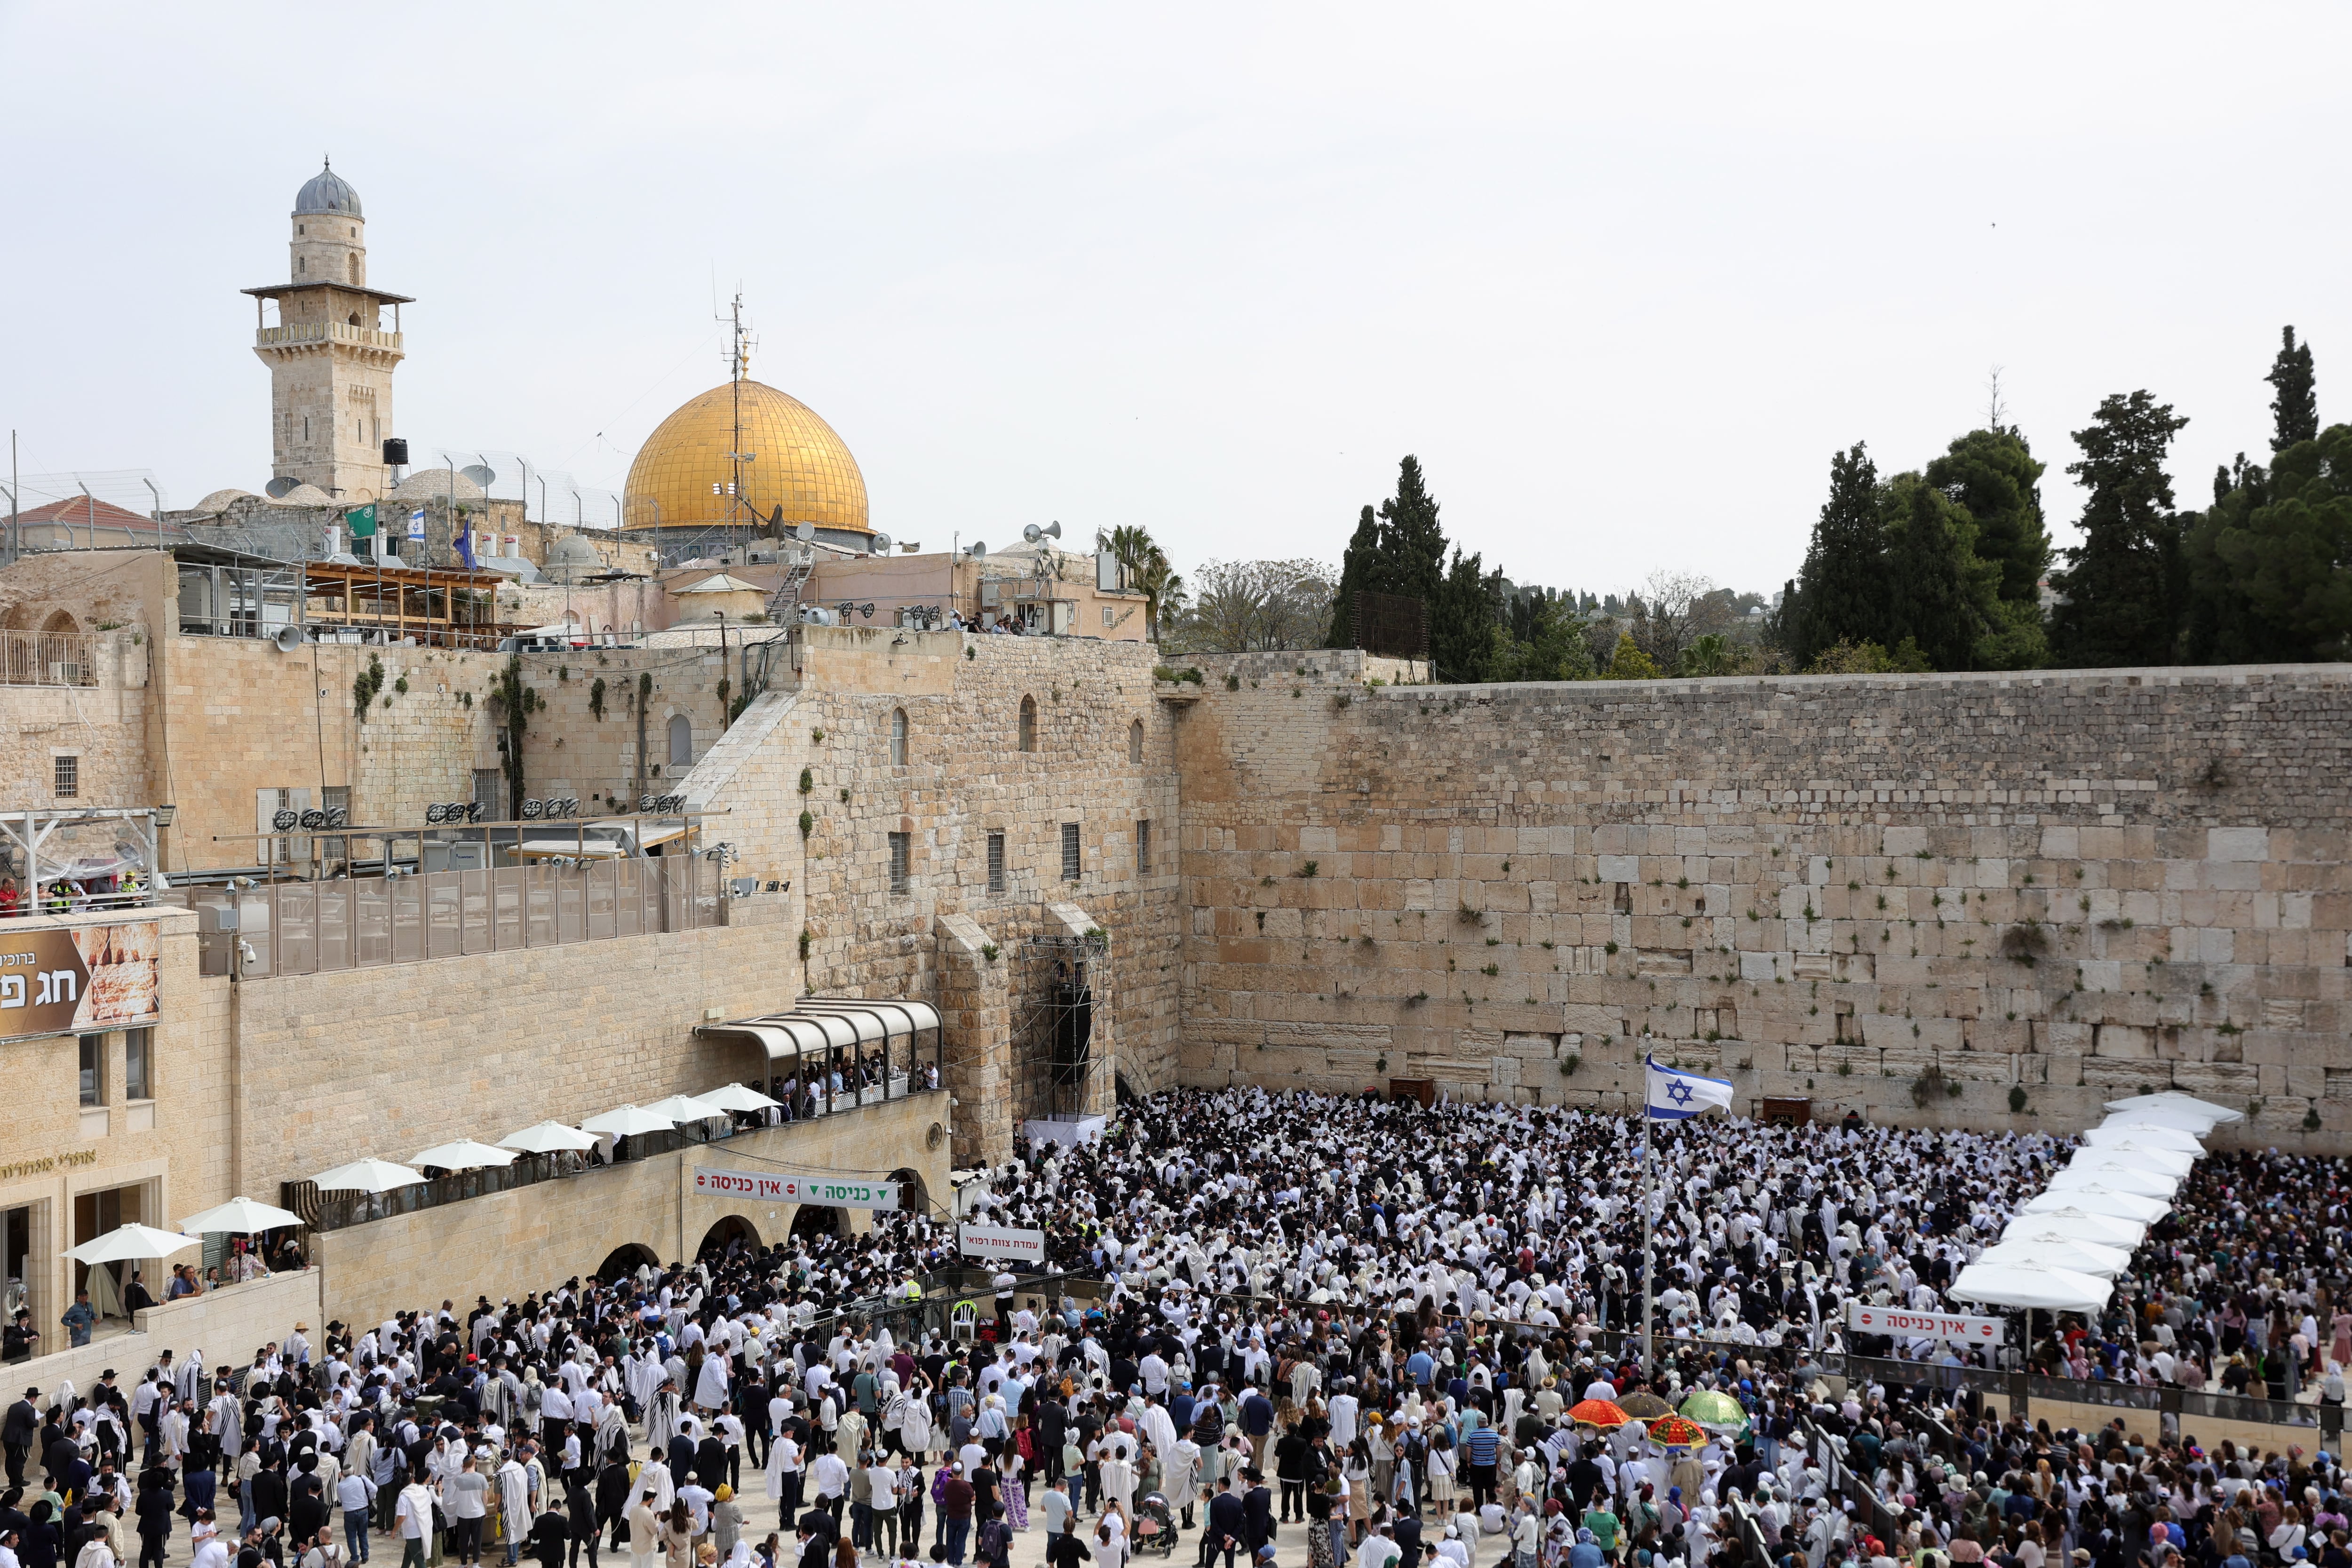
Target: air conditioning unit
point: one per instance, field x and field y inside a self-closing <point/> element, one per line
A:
<point x="65" y="674"/>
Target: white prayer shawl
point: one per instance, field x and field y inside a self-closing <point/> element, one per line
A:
<point x="710" y="1385"/>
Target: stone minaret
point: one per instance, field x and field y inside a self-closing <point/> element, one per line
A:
<point x="330" y="360"/>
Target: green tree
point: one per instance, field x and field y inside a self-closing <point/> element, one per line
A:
<point x="1841" y="594"/>
<point x="1463" y="616"/>
<point x="2122" y="582"/>
<point x="1629" y="662"/>
<point x="1994" y="476"/>
<point x="1942" y="594"/>
<point x="2294" y="411"/>
<point x="1359" y="572"/>
<point x="1148" y="573"/>
<point x="1545" y="639"/>
<point x="2272" y="562"/>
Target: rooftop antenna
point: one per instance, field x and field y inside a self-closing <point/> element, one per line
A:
<point x="738" y="366"/>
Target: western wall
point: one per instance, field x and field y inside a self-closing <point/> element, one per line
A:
<point x="1980" y="900"/>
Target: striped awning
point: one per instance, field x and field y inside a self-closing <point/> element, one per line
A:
<point x="820" y="1024"/>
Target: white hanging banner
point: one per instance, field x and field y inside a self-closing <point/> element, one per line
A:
<point x="768" y="1186"/>
<point x="1905" y="1324"/>
<point x="1000" y="1241"/>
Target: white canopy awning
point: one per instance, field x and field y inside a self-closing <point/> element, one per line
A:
<point x="2032" y="1285"/>
<point x="817" y="1024"/>
<point x="2172" y="1099"/>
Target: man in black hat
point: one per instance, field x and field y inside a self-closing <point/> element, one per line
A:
<point x="17" y="1430"/>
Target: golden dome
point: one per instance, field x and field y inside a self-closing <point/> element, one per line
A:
<point x="680" y="477"/>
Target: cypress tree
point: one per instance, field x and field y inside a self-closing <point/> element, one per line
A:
<point x="2121" y="583"/>
<point x="1462" y="621"/>
<point x="1412" y="545"/>
<point x="1841" y="590"/>
<point x="1994" y="474"/>
<point x="1359" y="572"/>
<point x="2295" y="412"/>
<point x="1930" y="565"/>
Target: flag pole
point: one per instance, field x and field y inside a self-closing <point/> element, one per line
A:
<point x="1649" y="1184"/>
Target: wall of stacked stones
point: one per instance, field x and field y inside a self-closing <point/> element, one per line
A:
<point x="1967" y="900"/>
<point x="965" y="777"/>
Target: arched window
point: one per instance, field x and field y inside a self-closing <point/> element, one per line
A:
<point x="1135" y="742"/>
<point x="1028" y="723"/>
<point x="681" y="740"/>
<point x="897" y="737"/>
<point x="61" y="622"/>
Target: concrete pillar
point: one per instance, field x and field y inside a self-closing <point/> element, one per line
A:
<point x="976" y="1023"/>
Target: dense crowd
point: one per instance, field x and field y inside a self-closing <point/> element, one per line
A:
<point x="1280" y="1318"/>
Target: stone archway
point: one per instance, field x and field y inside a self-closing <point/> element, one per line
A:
<point x="914" y="1196"/>
<point x="625" y="1259"/>
<point x="724" y="1231"/>
<point x="815" y="1220"/>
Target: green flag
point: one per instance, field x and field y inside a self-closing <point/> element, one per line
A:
<point x="362" y="520"/>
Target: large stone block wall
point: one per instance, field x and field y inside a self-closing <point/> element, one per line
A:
<point x="1928" y="898"/>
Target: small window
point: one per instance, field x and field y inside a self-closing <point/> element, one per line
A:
<point x="897" y="737"/>
<point x="485" y="792"/>
<point x="93" y="1070"/>
<point x="996" y="862"/>
<point x="68" y="774"/>
<point x="681" y="740"/>
<point x="136" y="1045"/>
<point x="1028" y="723"/>
<point x="1135" y="742"/>
<point x="1108" y="619"/>
<point x="1069" y="852"/>
<point x="901" y="851"/>
<point x="1143" y="847"/>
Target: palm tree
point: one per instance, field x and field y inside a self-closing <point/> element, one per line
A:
<point x="1146" y="569"/>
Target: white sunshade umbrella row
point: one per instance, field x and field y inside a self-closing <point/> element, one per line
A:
<point x="371" y="1175"/>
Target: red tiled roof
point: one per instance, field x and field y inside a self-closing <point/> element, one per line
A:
<point x="79" y="512"/>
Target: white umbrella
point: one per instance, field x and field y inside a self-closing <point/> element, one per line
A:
<point x="2136" y="1156"/>
<point x="2097" y="1199"/>
<point x="546" y="1138"/>
<point x="735" y="1097"/>
<point x="2059" y="1252"/>
<point x="368" y="1175"/>
<point x="2115" y="1177"/>
<point x="2078" y="1224"/>
<point x="685" y="1108"/>
<point x="2173" y="1116"/>
<point x="464" y="1154"/>
<point x="2173" y="1099"/>
<point x="629" y="1121"/>
<point x="2032" y="1285"/>
<point x="239" y="1216"/>
<point x="131" y="1243"/>
<point x="2120" y="1129"/>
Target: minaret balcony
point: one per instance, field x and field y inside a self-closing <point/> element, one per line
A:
<point x="295" y="333"/>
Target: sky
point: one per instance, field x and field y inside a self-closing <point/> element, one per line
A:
<point x="1622" y="277"/>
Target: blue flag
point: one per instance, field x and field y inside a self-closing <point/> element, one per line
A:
<point x="1674" y="1095"/>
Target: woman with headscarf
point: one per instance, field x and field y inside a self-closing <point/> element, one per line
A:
<point x="725" y="1520"/>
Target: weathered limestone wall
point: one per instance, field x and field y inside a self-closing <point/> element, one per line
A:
<point x="389" y="1060"/>
<point x="528" y="1239"/>
<point x="1930" y="897"/>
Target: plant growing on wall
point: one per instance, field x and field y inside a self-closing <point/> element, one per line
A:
<point x="364" y="686"/>
<point x="513" y="703"/>
<point x="596" y="699"/>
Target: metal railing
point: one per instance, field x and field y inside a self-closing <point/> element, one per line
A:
<point x="360" y="922"/>
<point x="49" y="658"/>
<point x="325" y="332"/>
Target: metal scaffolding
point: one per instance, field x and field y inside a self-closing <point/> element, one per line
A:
<point x="1059" y="1073"/>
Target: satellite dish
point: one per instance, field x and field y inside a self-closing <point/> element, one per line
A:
<point x="1053" y="530"/>
<point x="806" y="531"/>
<point x="881" y="544"/>
<point x="1032" y="534"/>
<point x="978" y="549"/>
<point x="288" y="638"/>
<point x="480" y="473"/>
<point x="277" y="489"/>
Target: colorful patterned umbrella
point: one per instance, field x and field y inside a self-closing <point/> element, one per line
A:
<point x="1643" y="1405"/>
<point x="1715" y="1411"/>
<point x="1678" y="1432"/>
<point x="1597" y="1413"/>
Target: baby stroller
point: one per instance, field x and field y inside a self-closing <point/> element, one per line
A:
<point x="1155" y="1525"/>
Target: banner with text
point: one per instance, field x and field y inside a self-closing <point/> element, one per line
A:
<point x="62" y="981"/>
<point x="770" y="1187"/>
<point x="1905" y="1324"/>
<point x="1002" y="1241"/>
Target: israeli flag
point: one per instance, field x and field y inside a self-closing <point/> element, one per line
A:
<point x="416" y="523"/>
<point x="1674" y="1095"/>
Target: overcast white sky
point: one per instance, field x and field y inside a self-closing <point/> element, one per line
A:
<point x="1622" y="277"/>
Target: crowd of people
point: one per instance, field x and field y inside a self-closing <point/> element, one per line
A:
<point x="1288" y="1327"/>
